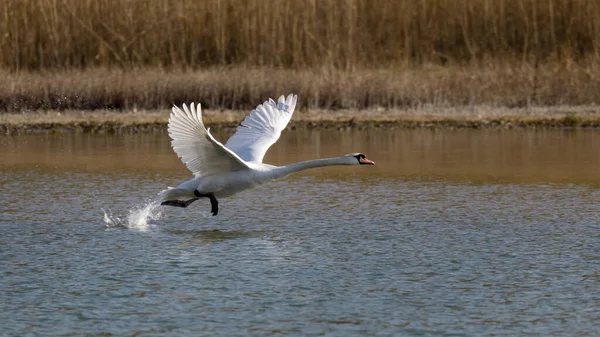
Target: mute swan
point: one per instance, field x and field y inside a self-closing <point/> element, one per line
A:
<point x="223" y="170"/>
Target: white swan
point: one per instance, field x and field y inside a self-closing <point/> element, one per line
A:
<point x="223" y="170"/>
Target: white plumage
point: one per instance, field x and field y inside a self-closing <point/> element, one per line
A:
<point x="221" y="171"/>
<point x="262" y="128"/>
<point x="199" y="151"/>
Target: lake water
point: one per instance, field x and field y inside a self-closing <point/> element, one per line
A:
<point x="461" y="233"/>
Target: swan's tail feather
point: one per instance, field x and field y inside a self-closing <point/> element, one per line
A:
<point x="177" y="197"/>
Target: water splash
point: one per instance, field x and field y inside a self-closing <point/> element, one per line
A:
<point x="111" y="220"/>
<point x="136" y="218"/>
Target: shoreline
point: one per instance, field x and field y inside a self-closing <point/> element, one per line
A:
<point x="426" y="117"/>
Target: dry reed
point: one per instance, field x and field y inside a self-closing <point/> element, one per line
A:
<point x="336" y="54"/>
<point x="240" y="87"/>
<point x="40" y="34"/>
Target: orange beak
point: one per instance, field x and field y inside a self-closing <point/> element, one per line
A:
<point x="366" y="161"/>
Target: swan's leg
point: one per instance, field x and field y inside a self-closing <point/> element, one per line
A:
<point x="179" y="203"/>
<point x="214" y="204"/>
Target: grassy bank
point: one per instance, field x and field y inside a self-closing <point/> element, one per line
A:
<point x="432" y="117"/>
<point x="43" y="34"/>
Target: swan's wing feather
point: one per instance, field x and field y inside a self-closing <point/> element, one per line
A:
<point x="261" y="129"/>
<point x="193" y="143"/>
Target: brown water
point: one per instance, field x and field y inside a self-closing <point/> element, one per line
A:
<point x="465" y="233"/>
<point x="470" y="155"/>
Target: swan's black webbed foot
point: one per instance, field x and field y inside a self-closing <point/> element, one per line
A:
<point x="178" y="203"/>
<point x="214" y="204"/>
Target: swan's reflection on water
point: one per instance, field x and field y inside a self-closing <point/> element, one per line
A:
<point x="194" y="236"/>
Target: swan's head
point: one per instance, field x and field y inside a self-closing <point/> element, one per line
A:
<point x="358" y="159"/>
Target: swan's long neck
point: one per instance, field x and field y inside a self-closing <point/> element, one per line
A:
<point x="283" y="171"/>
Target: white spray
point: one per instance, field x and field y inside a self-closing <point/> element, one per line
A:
<point x="137" y="217"/>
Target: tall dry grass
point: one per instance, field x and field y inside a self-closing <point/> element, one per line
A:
<point x="40" y="34"/>
<point x="240" y="87"/>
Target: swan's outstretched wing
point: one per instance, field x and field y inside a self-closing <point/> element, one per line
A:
<point x="262" y="128"/>
<point x="193" y="143"/>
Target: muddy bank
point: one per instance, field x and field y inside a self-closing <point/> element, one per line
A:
<point x="426" y="117"/>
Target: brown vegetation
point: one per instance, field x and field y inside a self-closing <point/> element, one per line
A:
<point x="336" y="54"/>
<point x="40" y="34"/>
<point x="242" y="88"/>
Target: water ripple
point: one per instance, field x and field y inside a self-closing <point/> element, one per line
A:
<point x="88" y="253"/>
